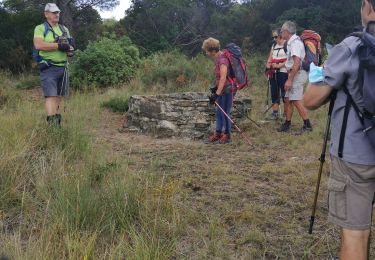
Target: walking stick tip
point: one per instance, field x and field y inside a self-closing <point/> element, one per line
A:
<point x="312" y="219"/>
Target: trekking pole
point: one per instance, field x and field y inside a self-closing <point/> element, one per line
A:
<point x="253" y="121"/>
<point x="65" y="80"/>
<point x="322" y="159"/>
<point x="65" y="83"/>
<point x="268" y="108"/>
<point x="268" y="90"/>
<point x="235" y="126"/>
<point x="278" y="93"/>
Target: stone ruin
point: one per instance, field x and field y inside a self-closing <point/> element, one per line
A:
<point x="187" y="115"/>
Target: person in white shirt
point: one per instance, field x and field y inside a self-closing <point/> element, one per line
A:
<point x="297" y="77"/>
<point x="276" y="72"/>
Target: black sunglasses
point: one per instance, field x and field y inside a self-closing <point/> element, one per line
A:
<point x="275" y="37"/>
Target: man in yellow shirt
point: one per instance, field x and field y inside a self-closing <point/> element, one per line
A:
<point x="52" y="41"/>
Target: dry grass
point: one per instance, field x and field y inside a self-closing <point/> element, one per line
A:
<point x="241" y="202"/>
<point x="91" y="192"/>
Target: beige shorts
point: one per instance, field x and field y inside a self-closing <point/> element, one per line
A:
<point x="296" y="92"/>
<point x="351" y="189"/>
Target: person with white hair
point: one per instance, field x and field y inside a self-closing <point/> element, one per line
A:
<point x="297" y="77"/>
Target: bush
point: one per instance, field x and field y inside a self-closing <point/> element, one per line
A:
<point x="176" y="70"/>
<point x="104" y="63"/>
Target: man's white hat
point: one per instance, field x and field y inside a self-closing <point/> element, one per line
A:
<point x="51" y="7"/>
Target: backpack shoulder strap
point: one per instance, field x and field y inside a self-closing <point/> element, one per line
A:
<point x="46" y="29"/>
<point x="285" y="47"/>
<point x="49" y="28"/>
<point x="355" y="34"/>
<point x="349" y="102"/>
<point x="63" y="29"/>
<point x="228" y="56"/>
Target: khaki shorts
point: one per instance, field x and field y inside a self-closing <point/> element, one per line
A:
<point x="299" y="81"/>
<point x="351" y="189"/>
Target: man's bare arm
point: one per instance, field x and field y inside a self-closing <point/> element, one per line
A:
<point x="40" y="44"/>
<point x="316" y="96"/>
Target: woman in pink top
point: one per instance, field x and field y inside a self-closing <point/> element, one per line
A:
<point x="222" y="93"/>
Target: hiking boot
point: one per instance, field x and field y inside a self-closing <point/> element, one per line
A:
<point x="54" y="121"/>
<point x="307" y="128"/>
<point x="285" y="127"/>
<point x="58" y="119"/>
<point x="225" y="139"/>
<point x="213" y="139"/>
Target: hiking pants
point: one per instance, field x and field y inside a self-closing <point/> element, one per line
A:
<point x="277" y="83"/>
<point x="222" y="122"/>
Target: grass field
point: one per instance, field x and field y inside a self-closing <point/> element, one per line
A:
<point x="92" y="192"/>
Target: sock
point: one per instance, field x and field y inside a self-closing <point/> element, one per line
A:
<point x="307" y="122"/>
<point x="275" y="112"/>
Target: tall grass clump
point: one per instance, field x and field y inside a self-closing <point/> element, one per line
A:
<point x="63" y="195"/>
<point x="117" y="104"/>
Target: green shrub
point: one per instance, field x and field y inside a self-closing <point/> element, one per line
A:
<point x="104" y="63"/>
<point x="117" y="104"/>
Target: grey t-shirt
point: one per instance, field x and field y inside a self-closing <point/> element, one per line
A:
<point x="342" y="68"/>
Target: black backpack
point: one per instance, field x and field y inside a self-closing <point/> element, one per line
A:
<point x="238" y="72"/>
<point x="366" y="53"/>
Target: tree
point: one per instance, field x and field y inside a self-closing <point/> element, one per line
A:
<point x="72" y="9"/>
<point x="156" y="25"/>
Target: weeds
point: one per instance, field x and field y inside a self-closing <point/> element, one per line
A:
<point x="28" y="82"/>
<point x="89" y="192"/>
<point x="62" y="195"/>
<point x="117" y="104"/>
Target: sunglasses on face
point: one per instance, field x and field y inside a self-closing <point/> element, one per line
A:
<point x="275" y="37"/>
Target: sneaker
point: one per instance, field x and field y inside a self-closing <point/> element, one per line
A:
<point x="274" y="116"/>
<point x="213" y="139"/>
<point x="285" y="127"/>
<point x="225" y="139"/>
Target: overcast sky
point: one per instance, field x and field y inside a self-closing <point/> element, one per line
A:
<point x="118" y="12"/>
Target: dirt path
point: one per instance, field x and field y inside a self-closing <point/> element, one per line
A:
<point x="239" y="202"/>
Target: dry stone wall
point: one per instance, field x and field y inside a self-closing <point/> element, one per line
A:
<point x="186" y="115"/>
